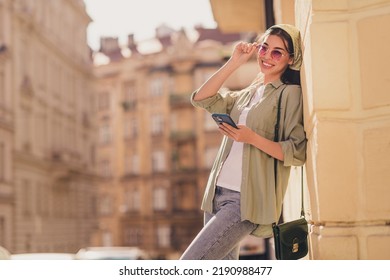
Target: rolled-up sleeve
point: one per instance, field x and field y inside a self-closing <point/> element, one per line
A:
<point x="294" y="137"/>
<point x="218" y="103"/>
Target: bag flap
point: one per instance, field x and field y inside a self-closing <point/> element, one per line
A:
<point x="293" y="232"/>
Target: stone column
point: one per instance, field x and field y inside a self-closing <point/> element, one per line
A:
<point x="346" y="84"/>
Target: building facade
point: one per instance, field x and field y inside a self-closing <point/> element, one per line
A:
<point x="156" y="150"/>
<point x="6" y="128"/>
<point x="47" y="176"/>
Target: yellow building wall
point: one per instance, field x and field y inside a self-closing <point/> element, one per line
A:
<point x="347" y="118"/>
<point x="346" y="85"/>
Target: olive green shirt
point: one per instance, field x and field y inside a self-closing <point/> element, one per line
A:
<point x="261" y="201"/>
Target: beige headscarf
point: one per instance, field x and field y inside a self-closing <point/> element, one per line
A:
<point x="297" y="44"/>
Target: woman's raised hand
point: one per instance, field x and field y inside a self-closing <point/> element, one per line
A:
<point x="242" y="52"/>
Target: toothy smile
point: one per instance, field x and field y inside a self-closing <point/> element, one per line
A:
<point x="267" y="64"/>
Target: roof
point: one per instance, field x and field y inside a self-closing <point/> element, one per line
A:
<point x="216" y="35"/>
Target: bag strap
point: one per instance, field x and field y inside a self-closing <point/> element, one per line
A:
<point x="276" y="139"/>
<point x="276" y="133"/>
<point x="302" y="206"/>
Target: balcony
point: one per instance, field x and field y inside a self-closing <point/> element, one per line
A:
<point x="60" y="155"/>
<point x="129" y="105"/>
<point x="182" y="136"/>
<point x="183" y="162"/>
<point x="179" y="100"/>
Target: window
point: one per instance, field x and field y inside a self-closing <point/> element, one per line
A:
<point x="132" y="200"/>
<point x="174" y="124"/>
<point x="135" y="164"/>
<point x="39" y="201"/>
<point x="126" y="128"/>
<point x="131" y="165"/>
<point x="56" y="133"/>
<point x="24" y="62"/>
<point x="130" y="92"/>
<point x="133" y="236"/>
<point x="104" y="101"/>
<point x="127" y="165"/>
<point x="41" y="132"/>
<point x="26" y="198"/>
<point x="107" y="238"/>
<point x="163" y="236"/>
<point x="157" y="124"/>
<point x="105" y="168"/>
<point x="156" y="87"/>
<point x="105" y="134"/>
<point x="160" y="199"/>
<point x="158" y="161"/>
<point x="40" y="69"/>
<point x="106" y="205"/>
<point x="129" y="100"/>
<point x="25" y="129"/>
<point x="134" y="128"/>
<point x="130" y="128"/>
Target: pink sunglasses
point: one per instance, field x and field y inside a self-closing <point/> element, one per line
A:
<point x="275" y="54"/>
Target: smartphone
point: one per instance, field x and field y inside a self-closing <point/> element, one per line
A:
<point x="223" y="118"/>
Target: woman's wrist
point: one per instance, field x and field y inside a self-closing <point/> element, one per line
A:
<point x="233" y="64"/>
<point x="254" y="138"/>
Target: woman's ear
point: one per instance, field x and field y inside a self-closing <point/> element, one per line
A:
<point x="291" y="61"/>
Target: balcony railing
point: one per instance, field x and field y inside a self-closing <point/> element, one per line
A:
<point x="182" y="135"/>
<point x="129" y="105"/>
<point x="179" y="100"/>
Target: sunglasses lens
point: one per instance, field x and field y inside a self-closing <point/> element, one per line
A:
<point x="277" y="55"/>
<point x="263" y="50"/>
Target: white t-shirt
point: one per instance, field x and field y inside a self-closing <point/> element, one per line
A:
<point x="231" y="172"/>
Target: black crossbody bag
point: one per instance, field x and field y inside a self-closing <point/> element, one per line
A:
<point x="290" y="238"/>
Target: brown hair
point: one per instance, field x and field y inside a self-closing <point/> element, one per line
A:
<point x="289" y="76"/>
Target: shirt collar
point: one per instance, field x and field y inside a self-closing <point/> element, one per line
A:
<point x="277" y="83"/>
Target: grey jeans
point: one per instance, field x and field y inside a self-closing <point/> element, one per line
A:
<point x="223" y="230"/>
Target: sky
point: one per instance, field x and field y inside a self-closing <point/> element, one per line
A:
<point x="119" y="18"/>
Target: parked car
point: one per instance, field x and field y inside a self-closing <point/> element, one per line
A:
<point x="43" y="256"/>
<point x="253" y="248"/>
<point x="111" y="253"/>
<point x="4" y="254"/>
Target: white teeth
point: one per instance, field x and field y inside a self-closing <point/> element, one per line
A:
<point x="266" y="64"/>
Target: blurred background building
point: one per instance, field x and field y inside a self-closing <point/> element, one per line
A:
<point x="48" y="186"/>
<point x="115" y="155"/>
<point x="110" y="156"/>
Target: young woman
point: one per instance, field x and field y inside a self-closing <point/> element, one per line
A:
<point x="241" y="196"/>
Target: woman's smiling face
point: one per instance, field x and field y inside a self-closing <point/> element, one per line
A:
<point x="273" y="57"/>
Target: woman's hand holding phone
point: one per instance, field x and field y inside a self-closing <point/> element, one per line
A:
<point x="227" y="127"/>
<point x="240" y="134"/>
